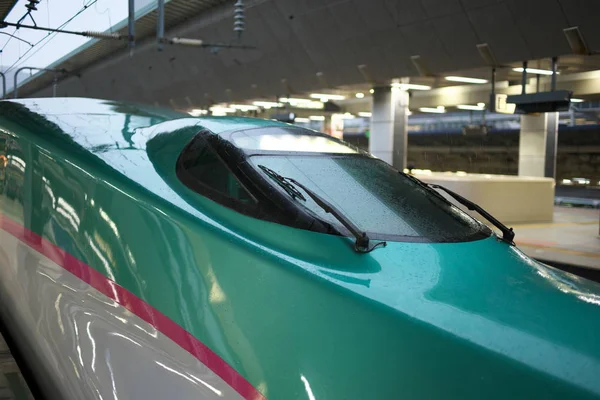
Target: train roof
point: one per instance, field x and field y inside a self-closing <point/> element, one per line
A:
<point x="97" y="134"/>
<point x="95" y="122"/>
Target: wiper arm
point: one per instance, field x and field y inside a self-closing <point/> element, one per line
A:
<point x="508" y="234"/>
<point x="362" y="243"/>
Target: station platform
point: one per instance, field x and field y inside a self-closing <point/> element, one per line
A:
<point x="572" y="239"/>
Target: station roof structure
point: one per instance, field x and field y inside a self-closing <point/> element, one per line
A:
<point x="308" y="45"/>
<point x="5" y="7"/>
<point x="95" y="50"/>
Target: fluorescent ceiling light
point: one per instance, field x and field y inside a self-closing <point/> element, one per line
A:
<point x="576" y="42"/>
<point x="301" y="120"/>
<point x="536" y="71"/>
<point x="267" y="104"/>
<point x="294" y="100"/>
<point x="372" y="91"/>
<point x="437" y="110"/>
<point x="197" y="112"/>
<point x="478" y="107"/>
<point x="325" y="97"/>
<point x="243" y="107"/>
<point x="302" y="103"/>
<point x="577" y="100"/>
<point x="222" y="109"/>
<point x="359" y="95"/>
<point x="465" y="79"/>
<point x="316" y="105"/>
<point x="317" y="118"/>
<point x="410" y="86"/>
<point x="365" y="114"/>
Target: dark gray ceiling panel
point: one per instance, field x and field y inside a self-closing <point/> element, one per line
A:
<point x="584" y="14"/>
<point x="422" y="40"/>
<point x="312" y="5"/>
<point x="439" y="8"/>
<point x="397" y="57"/>
<point x="290" y="9"/>
<point x="370" y="55"/>
<point x="391" y="47"/>
<point x="471" y="4"/>
<point x="261" y="33"/>
<point x="459" y="39"/>
<point x="375" y="15"/>
<point x="494" y="25"/>
<point x="310" y="40"/>
<point x="405" y="12"/>
<point x="347" y="20"/>
<point x="541" y="23"/>
<point x="322" y="24"/>
<point x="277" y="27"/>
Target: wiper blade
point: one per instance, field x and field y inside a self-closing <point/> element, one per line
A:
<point x="362" y="242"/>
<point x="508" y="234"/>
<point x="283" y="182"/>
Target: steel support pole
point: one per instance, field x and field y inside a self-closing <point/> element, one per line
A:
<point x="492" y="106"/>
<point x="524" y="78"/>
<point x="160" y="24"/>
<point x="16" y="88"/>
<point x="131" y="25"/>
<point x="3" y="85"/>
<point x="54" y="85"/>
<point x="553" y="81"/>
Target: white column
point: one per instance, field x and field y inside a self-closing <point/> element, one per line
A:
<point x="537" y="145"/>
<point x="389" y="125"/>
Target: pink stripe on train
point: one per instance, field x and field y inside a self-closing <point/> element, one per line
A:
<point x="134" y="304"/>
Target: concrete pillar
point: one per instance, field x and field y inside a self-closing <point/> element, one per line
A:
<point x="389" y="125"/>
<point x="537" y="145"/>
<point x="327" y="124"/>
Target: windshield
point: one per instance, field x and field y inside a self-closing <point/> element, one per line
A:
<point x="377" y="198"/>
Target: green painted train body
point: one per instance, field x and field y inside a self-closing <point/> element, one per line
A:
<point x="297" y="314"/>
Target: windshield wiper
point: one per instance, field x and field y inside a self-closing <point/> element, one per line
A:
<point x="508" y="234"/>
<point x="362" y="242"/>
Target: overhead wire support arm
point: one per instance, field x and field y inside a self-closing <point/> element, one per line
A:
<point x="201" y="43"/>
<point x="15" y="86"/>
<point x="3" y="85"/>
<point x="161" y="39"/>
<point x="92" y="34"/>
<point x="160" y="24"/>
<point x="131" y="25"/>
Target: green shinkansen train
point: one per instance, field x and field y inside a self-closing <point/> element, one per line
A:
<point x="145" y="254"/>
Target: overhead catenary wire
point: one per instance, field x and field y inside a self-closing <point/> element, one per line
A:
<point x="13" y="34"/>
<point x="93" y="34"/>
<point x="85" y="7"/>
<point x="30" y="7"/>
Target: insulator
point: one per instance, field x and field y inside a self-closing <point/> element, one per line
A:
<point x="102" y="35"/>
<point x="239" y="26"/>
<point x="238" y="17"/>
<point x="32" y="5"/>
<point x="187" y="42"/>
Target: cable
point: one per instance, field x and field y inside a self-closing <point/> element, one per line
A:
<point x="85" y="7"/>
<point x="12" y="35"/>
<point x="30" y="7"/>
<point x="16" y="37"/>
